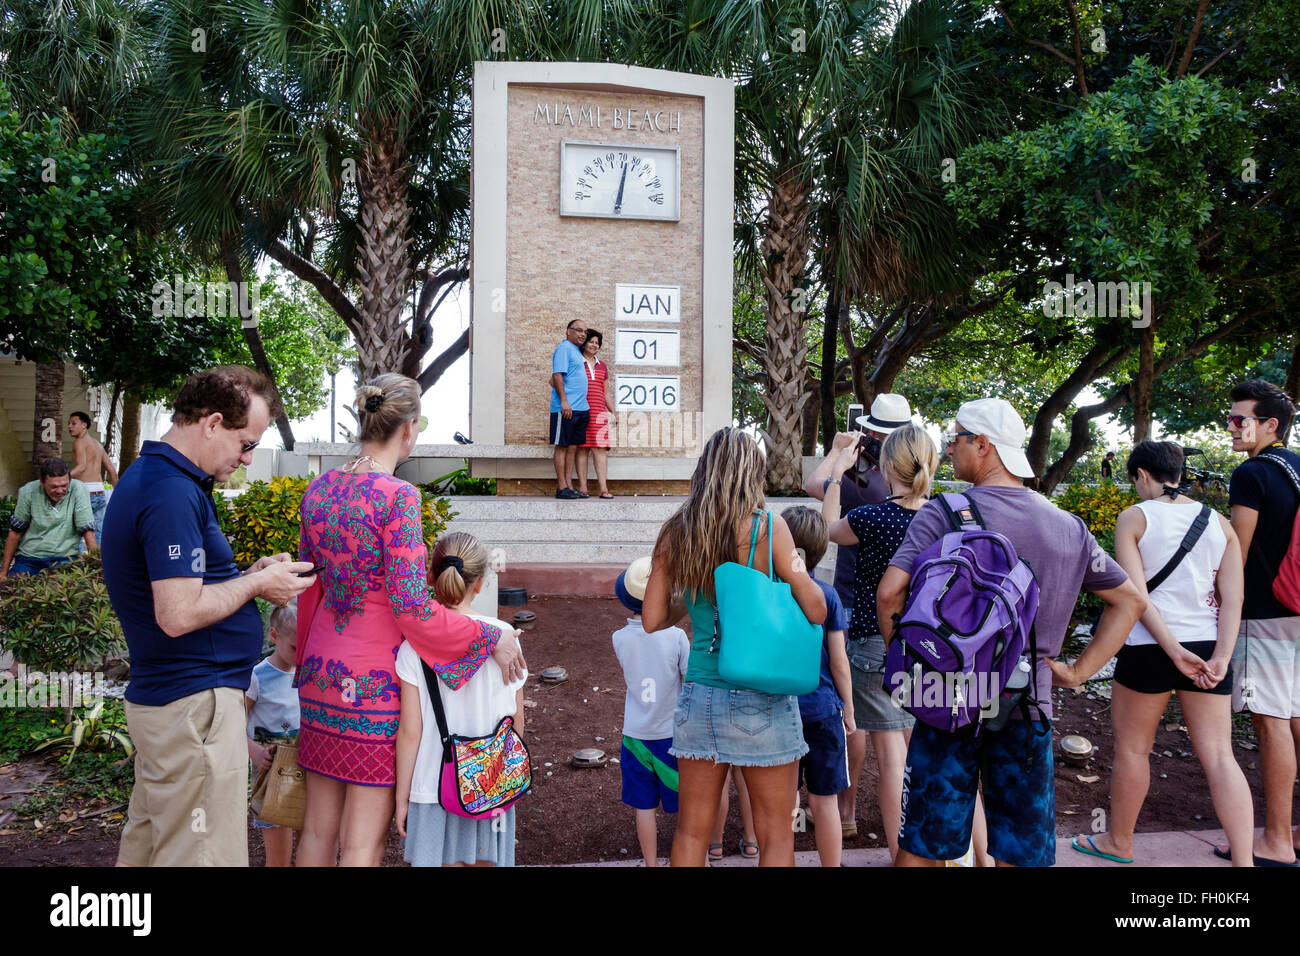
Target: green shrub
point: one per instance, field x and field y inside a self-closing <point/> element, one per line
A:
<point x="266" y="518"/>
<point x="99" y="729"/>
<point x="459" y="482"/>
<point x="7" y="505"/>
<point x="1099" y="506"/>
<point x="60" y="620"/>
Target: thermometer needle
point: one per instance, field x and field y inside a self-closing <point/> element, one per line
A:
<point x="618" y="201"/>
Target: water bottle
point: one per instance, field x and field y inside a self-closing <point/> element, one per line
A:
<point x="1011" y="695"/>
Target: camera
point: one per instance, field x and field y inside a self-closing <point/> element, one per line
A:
<point x="869" y="444"/>
<point x="1193" y="476"/>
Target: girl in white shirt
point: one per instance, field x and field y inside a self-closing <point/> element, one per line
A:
<point x="433" y="836"/>
<point x="1182" y="644"/>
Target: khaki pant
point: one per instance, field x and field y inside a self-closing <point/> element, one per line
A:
<point x="189" y="806"/>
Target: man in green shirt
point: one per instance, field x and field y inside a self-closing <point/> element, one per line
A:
<point x="51" y="514"/>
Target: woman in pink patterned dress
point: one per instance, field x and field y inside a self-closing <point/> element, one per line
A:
<point x="363" y="525"/>
<point x="600" y="400"/>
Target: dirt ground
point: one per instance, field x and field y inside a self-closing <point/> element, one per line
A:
<point x="575" y="815"/>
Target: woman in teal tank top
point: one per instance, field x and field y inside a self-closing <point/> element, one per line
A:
<point x="716" y="725"/>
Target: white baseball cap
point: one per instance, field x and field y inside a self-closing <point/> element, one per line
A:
<point x="889" y="411"/>
<point x="998" y="421"/>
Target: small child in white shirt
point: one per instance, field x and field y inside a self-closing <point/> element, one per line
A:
<point x="654" y="666"/>
<point x="434" y="837"/>
<point x="271" y="705"/>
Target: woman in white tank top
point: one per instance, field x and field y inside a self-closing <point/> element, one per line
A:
<point x="1182" y="643"/>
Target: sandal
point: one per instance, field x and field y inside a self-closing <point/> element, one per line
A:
<point x="849" y="830"/>
<point x="745" y="847"/>
<point x="606" y="494"/>
<point x="715" y="857"/>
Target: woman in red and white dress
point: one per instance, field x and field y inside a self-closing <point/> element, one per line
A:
<point x="600" y="401"/>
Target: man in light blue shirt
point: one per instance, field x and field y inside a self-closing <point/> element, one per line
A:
<point x="568" y="406"/>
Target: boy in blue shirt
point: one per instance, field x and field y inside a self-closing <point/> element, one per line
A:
<point x="827" y="712"/>
<point x="271" y="704"/>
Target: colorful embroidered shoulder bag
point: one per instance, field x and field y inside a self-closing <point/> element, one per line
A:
<point x="480" y="777"/>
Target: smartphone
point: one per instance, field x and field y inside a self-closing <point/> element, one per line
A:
<point x="316" y="570"/>
<point x="855" y="412"/>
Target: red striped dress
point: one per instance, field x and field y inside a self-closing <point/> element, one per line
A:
<point x="598" y="417"/>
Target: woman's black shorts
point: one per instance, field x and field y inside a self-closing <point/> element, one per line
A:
<point x="1147" y="669"/>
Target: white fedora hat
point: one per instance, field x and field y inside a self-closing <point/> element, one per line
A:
<point x="888" y="412"/>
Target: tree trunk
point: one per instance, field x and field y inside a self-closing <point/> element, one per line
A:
<point x="784" y="251"/>
<point x="830" y="337"/>
<point x="130" y="431"/>
<point x="383" y="263"/>
<point x="812" y="405"/>
<point x="111" y="429"/>
<point x="47" y="426"/>
<point x="248" y="325"/>
<point x="1144" y="383"/>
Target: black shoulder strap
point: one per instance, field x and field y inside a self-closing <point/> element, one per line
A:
<point x="1189" y="541"/>
<point x="1285" y="466"/>
<point x="435" y="697"/>
<point x="963" y="514"/>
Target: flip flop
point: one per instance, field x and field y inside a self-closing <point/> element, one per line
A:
<point x="606" y="494"/>
<point x="1091" y="850"/>
<point x="1265" y="861"/>
<point x="1221" y="855"/>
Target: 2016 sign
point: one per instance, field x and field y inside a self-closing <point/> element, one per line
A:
<point x="648" y="393"/>
<point x="648" y="347"/>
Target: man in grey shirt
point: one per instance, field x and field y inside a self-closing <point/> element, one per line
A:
<point x="1014" y="765"/>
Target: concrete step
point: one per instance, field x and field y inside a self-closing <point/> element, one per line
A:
<point x="490" y="508"/>
<point x="592" y="532"/>
<point x="571" y="552"/>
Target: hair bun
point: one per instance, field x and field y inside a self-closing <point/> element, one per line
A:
<point x="374" y="402"/>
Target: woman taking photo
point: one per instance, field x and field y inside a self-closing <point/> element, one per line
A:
<point x="600" y="401"/>
<point x="1182" y="644"/>
<point x="717" y="726"/>
<point x="363" y="527"/>
<point x="908" y="461"/>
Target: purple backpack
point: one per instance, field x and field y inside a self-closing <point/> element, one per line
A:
<point x="968" y="619"/>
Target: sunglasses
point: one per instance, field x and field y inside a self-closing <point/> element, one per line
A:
<point x="1237" y="421"/>
<point x="247" y="446"/>
<point x="951" y="437"/>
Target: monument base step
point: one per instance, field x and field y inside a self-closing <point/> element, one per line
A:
<point x="553" y="580"/>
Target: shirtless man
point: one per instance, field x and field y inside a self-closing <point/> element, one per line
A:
<point x="91" y="464"/>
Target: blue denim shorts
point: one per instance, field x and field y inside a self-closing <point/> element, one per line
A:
<point x="741" y="727"/>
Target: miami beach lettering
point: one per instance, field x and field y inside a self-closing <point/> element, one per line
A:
<point x="557" y="114"/>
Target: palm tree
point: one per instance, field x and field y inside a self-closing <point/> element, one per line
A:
<point x="334" y="137"/>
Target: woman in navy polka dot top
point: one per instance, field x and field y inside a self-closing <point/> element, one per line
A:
<point x="908" y="462"/>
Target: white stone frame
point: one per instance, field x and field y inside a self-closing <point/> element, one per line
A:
<point x="488" y="231"/>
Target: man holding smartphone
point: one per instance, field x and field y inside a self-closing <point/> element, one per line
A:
<point x="861" y="485"/>
<point x="191" y="624"/>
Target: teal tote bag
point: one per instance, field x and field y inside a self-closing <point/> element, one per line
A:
<point x="766" y="642"/>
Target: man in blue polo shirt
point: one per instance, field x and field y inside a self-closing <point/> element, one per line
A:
<point x="191" y="624"/>
<point x="569" y="409"/>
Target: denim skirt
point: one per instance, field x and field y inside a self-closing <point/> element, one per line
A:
<point x="742" y="727"/>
